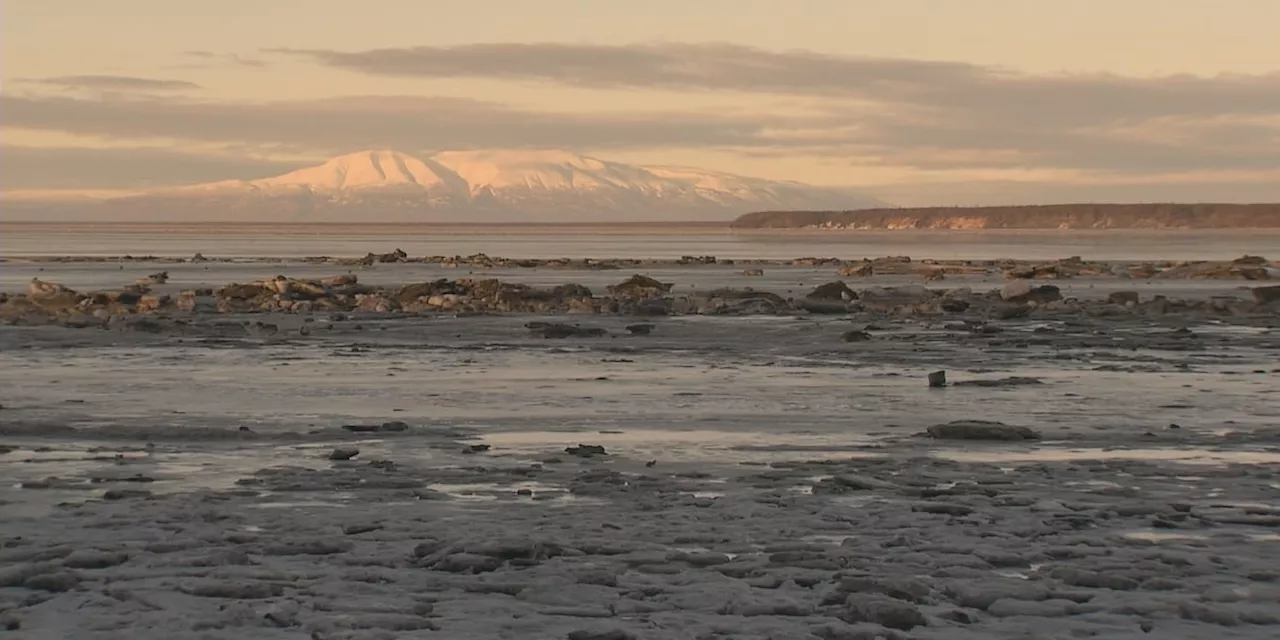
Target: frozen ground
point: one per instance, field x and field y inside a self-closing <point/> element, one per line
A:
<point x="179" y="485"/>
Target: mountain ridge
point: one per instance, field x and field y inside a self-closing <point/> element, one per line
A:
<point x="464" y="186"/>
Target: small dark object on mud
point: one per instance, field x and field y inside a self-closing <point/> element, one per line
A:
<point x="586" y="450"/>
<point x="476" y="448"/>
<point x="981" y="430"/>
<point x="344" y="453"/>
<point x="855" y="336"/>
<point x="938" y="379"/>
<point x="1014" y="381"/>
<point x="640" y="329"/>
<point x="392" y="426"/>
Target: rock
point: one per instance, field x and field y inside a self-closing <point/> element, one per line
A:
<point x="953" y="305"/>
<point x="556" y="330"/>
<point x="938" y="379"/>
<point x="53" y="582"/>
<point x="611" y="634"/>
<point x="640" y="329"/>
<point x="912" y="590"/>
<point x="837" y="290"/>
<point x="344" y="453"/>
<point x="158" y="278"/>
<point x="357" y="529"/>
<point x="855" y="336"/>
<point x="1016" y="290"/>
<point x="1266" y="295"/>
<point x="860" y="270"/>
<point x="981" y="430"/>
<point x="125" y="494"/>
<point x="1014" y="381"/>
<point x="846" y="483"/>
<point x="94" y="559"/>
<point x="38" y="288"/>
<point x="753" y="272"/>
<point x="639" y="287"/>
<point x="942" y="508"/>
<point x="237" y="589"/>
<point x="882" y="610"/>
<point x="586" y="450"/>
<point x="1124" y="298"/>
<point x="475" y="448"/>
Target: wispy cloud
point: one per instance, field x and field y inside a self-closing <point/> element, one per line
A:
<point x="213" y="58"/>
<point x="115" y="83"/>
<point x="27" y="167"/>
<point x="985" y="92"/>
<point x="382" y="121"/>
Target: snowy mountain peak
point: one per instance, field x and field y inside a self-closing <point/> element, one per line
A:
<point x="360" y="170"/>
<point x="485" y="186"/>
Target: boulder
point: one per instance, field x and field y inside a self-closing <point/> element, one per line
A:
<point x="981" y="430"/>
<point x="837" y="290"/>
<point x="639" y="287"/>
<point x="1266" y="295"/>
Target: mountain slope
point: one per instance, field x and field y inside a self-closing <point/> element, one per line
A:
<point x="473" y="186"/>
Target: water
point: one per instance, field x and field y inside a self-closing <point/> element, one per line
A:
<point x="28" y="240"/>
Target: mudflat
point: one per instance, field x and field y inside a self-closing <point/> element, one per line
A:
<point x="382" y="448"/>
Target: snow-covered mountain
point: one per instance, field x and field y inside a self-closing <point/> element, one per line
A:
<point x="478" y="186"/>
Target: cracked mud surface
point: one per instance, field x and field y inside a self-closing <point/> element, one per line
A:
<point x="179" y="485"/>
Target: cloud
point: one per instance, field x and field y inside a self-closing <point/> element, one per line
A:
<point x="27" y="167"/>
<point x="915" y="116"/>
<point x="211" y="58"/>
<point x="401" y="122"/>
<point x="116" y="83"/>
<point x="983" y="92"/>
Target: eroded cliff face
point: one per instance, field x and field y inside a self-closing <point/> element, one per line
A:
<point x="1057" y="216"/>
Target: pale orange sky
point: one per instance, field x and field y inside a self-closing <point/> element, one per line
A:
<point x="919" y="102"/>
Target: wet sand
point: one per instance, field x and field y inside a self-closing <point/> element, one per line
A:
<point x="763" y="478"/>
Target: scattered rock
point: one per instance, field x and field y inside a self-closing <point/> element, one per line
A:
<point x="981" y="430"/>
<point x="586" y="450"/>
<point x="1014" y="381"/>
<point x="885" y="611"/>
<point x="344" y="453"/>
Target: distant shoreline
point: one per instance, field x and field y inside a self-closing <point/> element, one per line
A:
<point x="1067" y="217"/>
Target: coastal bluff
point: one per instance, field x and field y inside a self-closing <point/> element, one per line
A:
<point x="1054" y="216"/>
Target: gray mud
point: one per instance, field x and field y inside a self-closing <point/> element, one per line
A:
<point x="762" y="478"/>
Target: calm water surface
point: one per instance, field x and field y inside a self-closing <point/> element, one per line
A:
<point x="286" y="241"/>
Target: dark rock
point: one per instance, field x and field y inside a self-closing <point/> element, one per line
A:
<point x="356" y="529"/>
<point x="53" y="582"/>
<point x="1266" y="295"/>
<point x="238" y="589"/>
<point x="942" y="508"/>
<point x="476" y="448"/>
<point x="1015" y="381"/>
<point x="556" y="330"/>
<point x="1123" y="298"/>
<point x="981" y="430"/>
<point x="344" y="453"/>
<point x="954" y="305"/>
<point x="639" y="287"/>
<point x="837" y="290"/>
<point x="125" y="494"/>
<point x="586" y="450"/>
<point x="855" y="336"/>
<point x="611" y="634"/>
<point x="938" y="379"/>
<point x="885" y="611"/>
<point x="640" y="329"/>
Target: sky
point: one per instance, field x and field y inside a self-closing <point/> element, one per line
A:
<point x="918" y="102"/>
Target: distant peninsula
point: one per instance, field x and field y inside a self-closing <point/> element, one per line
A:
<point x="1052" y="216"/>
